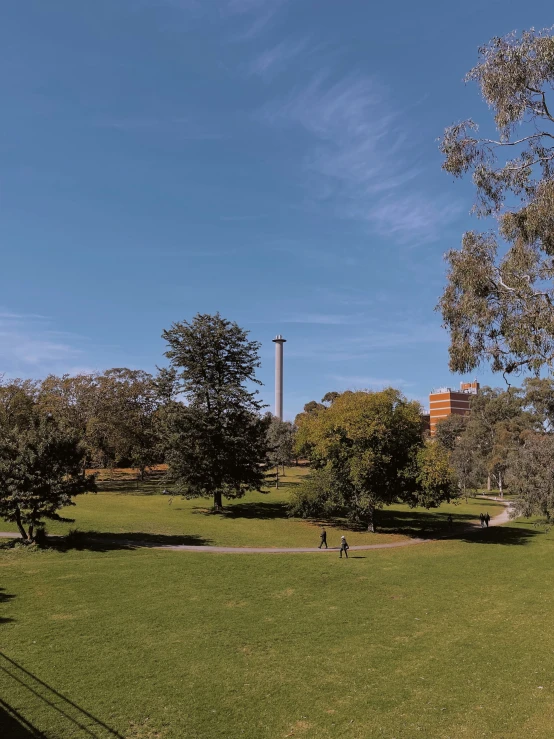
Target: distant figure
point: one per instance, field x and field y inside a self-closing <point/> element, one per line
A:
<point x="487" y="519"/>
<point x="343" y="547"/>
<point x="449" y="519"/>
<point x="482" y="519"/>
<point x="323" y="537"/>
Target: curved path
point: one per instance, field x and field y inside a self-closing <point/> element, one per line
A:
<point x="496" y="521"/>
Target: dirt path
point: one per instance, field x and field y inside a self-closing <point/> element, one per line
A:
<point x="496" y="521"/>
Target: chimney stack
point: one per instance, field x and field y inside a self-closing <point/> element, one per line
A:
<point x="279" y="341"/>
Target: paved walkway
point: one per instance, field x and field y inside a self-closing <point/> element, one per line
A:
<point x="496" y="521"/>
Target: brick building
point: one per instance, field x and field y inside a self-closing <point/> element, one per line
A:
<point x="444" y="402"/>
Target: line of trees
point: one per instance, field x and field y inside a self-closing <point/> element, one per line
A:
<point x="201" y="415"/>
<point x="367" y="450"/>
<point x="507" y="439"/>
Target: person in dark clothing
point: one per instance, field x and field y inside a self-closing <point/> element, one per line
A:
<point x="482" y="519"/>
<point x="487" y="519"/>
<point x="343" y="547"/>
<point x="323" y="537"/>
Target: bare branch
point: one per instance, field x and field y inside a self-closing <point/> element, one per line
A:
<point x="538" y="135"/>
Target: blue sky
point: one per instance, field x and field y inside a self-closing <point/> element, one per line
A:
<point x="274" y="160"/>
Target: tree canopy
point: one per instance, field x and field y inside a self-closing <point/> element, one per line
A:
<point x="41" y="463"/>
<point x="217" y="441"/>
<point x="363" y="450"/>
<point x="499" y="300"/>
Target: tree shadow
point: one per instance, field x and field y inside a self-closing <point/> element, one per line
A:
<point x="258" y="509"/>
<point x="433" y="524"/>
<point x="5" y="598"/>
<point x="98" y="541"/>
<point x="14" y="726"/>
<point x="81" y="722"/>
<point x="504" y="535"/>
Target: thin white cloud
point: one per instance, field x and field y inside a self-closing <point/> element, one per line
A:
<point x="350" y="382"/>
<point x="276" y="58"/>
<point x="326" y="319"/>
<point x="360" y="157"/>
<point x="29" y="345"/>
<point x="257" y="13"/>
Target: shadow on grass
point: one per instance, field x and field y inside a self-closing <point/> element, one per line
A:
<point x="131" y="487"/>
<point x="259" y="510"/>
<point x="5" y="598"/>
<point x="97" y="541"/>
<point x="505" y="535"/>
<point x="15" y="726"/>
<point x="76" y="719"/>
<point x="434" y="525"/>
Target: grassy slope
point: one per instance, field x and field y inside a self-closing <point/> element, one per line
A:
<point x="452" y="639"/>
<point x="255" y="520"/>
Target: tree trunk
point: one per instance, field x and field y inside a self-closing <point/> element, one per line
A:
<point x="489" y="483"/>
<point x="277" y="477"/>
<point x="370" y="521"/>
<point x="218" y="500"/>
<point x="20" y="525"/>
<point x="284" y="475"/>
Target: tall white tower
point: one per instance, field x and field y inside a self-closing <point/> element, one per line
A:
<point x="279" y="341"/>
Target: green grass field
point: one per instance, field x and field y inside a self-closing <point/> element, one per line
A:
<point x="449" y="639"/>
<point x="122" y="509"/>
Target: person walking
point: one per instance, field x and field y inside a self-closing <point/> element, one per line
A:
<point x="323" y="537"/>
<point x="482" y="519"/>
<point x="343" y="547"/>
<point x="487" y="519"/>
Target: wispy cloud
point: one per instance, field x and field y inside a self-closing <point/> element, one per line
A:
<point x="257" y="13"/>
<point x="360" y="156"/>
<point x="326" y="319"/>
<point x="369" y="337"/>
<point x="351" y="382"/>
<point x="275" y="59"/>
<point x="29" y="345"/>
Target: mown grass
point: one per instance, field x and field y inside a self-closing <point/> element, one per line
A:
<point x="448" y="639"/>
<point x="258" y="519"/>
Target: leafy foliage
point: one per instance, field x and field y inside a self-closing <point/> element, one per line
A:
<point x="498" y="303"/>
<point x="280" y="444"/>
<point x="363" y="449"/>
<point x="41" y="464"/>
<point x="435" y="475"/>
<point x="217" y="442"/>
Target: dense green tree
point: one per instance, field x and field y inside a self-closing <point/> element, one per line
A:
<point x="329" y="398"/>
<point x="41" y="464"/>
<point x="467" y="464"/>
<point x="499" y="300"/>
<point x="531" y="475"/>
<point x="280" y="442"/>
<point x="449" y="430"/>
<point x="217" y="442"/>
<point x="363" y="451"/>
<point x="436" y="476"/>
<point x="496" y="420"/>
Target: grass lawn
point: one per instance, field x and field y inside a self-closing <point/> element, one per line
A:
<point x="140" y="512"/>
<point x="451" y="639"/>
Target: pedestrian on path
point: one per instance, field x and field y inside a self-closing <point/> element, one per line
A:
<point x="343" y="547"/>
<point x="487" y="519"/>
<point x="482" y="519"/>
<point x="323" y="537"/>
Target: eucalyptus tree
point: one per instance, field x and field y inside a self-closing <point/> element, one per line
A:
<point x="499" y="300"/>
